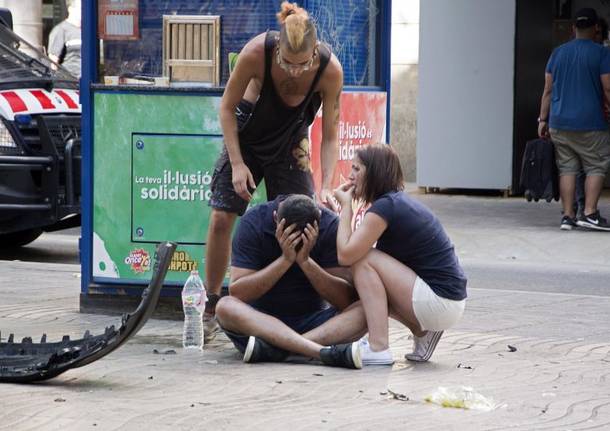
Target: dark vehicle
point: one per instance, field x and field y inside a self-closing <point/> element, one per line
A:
<point x="40" y="130"/>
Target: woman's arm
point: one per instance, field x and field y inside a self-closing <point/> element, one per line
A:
<point x="353" y="246"/>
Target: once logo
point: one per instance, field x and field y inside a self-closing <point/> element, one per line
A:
<point x="138" y="260"/>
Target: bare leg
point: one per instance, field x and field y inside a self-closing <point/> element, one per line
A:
<point x="218" y="249"/>
<point x="567" y="185"/>
<point x="381" y="280"/>
<point x="375" y="303"/>
<point x="349" y="325"/>
<point x="593" y="189"/>
<point x="239" y="317"/>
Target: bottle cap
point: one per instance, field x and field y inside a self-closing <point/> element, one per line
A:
<point x="194" y="272"/>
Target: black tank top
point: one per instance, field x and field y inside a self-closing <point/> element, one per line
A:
<point x="269" y="128"/>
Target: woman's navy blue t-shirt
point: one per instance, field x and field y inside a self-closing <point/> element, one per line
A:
<point x="415" y="237"/>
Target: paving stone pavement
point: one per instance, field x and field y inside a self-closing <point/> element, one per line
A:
<point x="557" y="379"/>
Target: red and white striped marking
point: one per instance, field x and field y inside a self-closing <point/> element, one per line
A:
<point x="38" y="101"/>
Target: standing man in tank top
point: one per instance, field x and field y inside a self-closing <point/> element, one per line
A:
<point x="279" y="82"/>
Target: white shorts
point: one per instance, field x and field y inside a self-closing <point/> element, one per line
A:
<point x="433" y="312"/>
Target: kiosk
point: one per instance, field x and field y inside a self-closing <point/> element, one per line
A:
<point x="153" y="76"/>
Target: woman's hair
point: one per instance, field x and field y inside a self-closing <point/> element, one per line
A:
<point x="297" y="33"/>
<point x="383" y="173"/>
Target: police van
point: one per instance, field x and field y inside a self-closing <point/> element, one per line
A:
<point x="40" y="142"/>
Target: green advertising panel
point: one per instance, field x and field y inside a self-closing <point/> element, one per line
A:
<point x="154" y="157"/>
<point x="170" y="176"/>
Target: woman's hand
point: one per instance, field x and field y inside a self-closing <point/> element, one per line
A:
<point x="309" y="238"/>
<point x="344" y="194"/>
<point x="288" y="239"/>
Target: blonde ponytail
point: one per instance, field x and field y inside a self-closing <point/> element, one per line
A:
<point x="297" y="30"/>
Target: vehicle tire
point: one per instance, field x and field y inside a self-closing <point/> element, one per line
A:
<point x="18" y="239"/>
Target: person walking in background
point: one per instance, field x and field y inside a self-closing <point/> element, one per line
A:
<point x="412" y="273"/>
<point x="601" y="37"/>
<point x="65" y="40"/>
<point x="272" y="96"/>
<point x="577" y="83"/>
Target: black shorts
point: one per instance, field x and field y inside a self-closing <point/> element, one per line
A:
<point x="288" y="175"/>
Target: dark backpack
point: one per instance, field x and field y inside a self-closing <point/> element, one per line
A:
<point x="539" y="177"/>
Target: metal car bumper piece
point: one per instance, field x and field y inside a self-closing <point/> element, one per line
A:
<point x="29" y="362"/>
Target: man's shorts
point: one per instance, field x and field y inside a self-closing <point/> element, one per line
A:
<point x="589" y="150"/>
<point x="433" y="312"/>
<point x="300" y="324"/>
<point x="282" y="177"/>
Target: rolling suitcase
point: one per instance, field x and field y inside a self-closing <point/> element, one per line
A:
<point x="539" y="177"/>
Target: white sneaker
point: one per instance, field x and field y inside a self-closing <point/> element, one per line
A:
<point x="423" y="347"/>
<point x="370" y="357"/>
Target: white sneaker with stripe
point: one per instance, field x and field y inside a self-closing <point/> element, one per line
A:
<point x="423" y="347"/>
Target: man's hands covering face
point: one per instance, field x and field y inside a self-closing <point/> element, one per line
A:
<point x="309" y="238"/>
<point x="288" y="238"/>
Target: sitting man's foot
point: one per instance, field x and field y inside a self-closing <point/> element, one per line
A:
<point x="567" y="223"/>
<point x="258" y="350"/>
<point x="423" y="347"/>
<point x="594" y="221"/>
<point x="210" y="327"/>
<point x="342" y="355"/>
<point x="369" y="357"/>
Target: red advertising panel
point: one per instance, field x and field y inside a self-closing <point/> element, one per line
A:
<point x="362" y="122"/>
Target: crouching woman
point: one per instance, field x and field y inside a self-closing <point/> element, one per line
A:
<point x="412" y="273"/>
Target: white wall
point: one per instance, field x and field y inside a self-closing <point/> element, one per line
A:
<point x="466" y="86"/>
<point x="405" y="32"/>
<point x="405" y="56"/>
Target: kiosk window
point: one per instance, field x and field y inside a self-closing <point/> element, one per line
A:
<point x="350" y="27"/>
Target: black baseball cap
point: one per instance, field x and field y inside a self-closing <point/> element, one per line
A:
<point x="585" y="18"/>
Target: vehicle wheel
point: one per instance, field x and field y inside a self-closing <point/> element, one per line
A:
<point x="18" y="239"/>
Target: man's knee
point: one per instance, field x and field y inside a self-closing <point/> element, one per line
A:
<point x="222" y="221"/>
<point x="226" y="309"/>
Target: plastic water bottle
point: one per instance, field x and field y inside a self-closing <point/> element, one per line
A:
<point x="193" y="304"/>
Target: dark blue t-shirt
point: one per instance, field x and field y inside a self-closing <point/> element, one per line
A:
<point x="577" y="98"/>
<point x="415" y="237"/>
<point x="255" y="247"/>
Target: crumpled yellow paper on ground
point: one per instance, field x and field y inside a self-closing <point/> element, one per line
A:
<point x="460" y="397"/>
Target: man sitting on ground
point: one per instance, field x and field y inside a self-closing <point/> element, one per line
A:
<point x="284" y="275"/>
